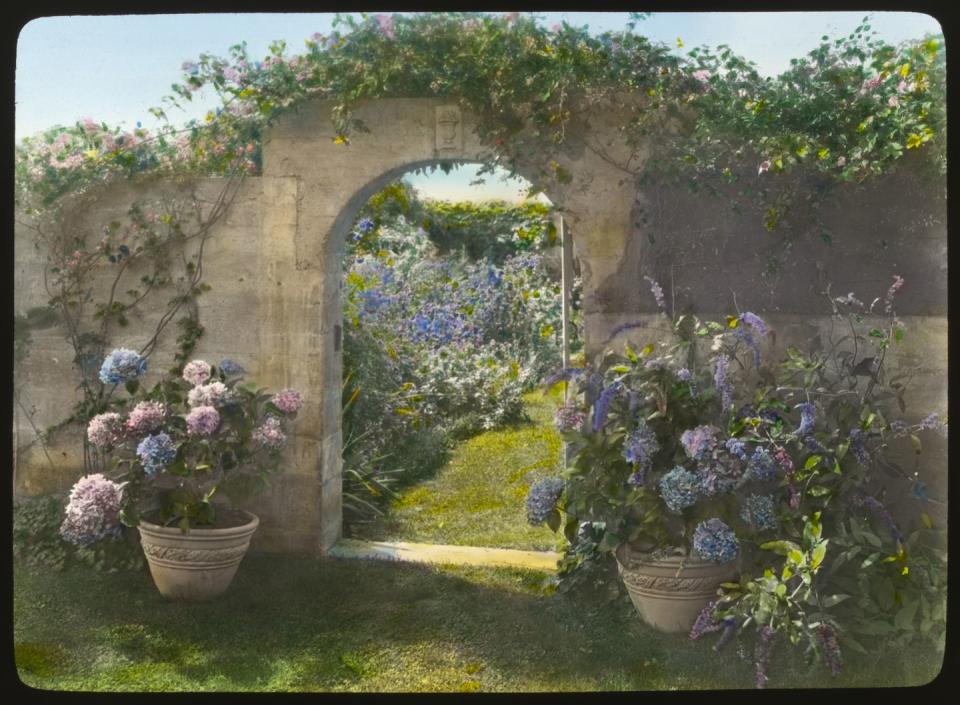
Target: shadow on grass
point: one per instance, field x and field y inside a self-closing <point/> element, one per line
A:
<point x="301" y="624"/>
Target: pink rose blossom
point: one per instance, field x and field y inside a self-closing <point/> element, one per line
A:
<point x="203" y="421"/>
<point x="902" y="87"/>
<point x="870" y="84"/>
<point x="386" y="25"/>
<point x="764" y="166"/>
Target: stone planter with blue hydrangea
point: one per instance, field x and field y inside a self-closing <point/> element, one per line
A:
<point x="181" y="455"/>
<point x="651" y="468"/>
<point x="717" y="480"/>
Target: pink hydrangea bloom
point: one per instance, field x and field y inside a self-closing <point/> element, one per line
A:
<point x="213" y="394"/>
<point x="196" y="372"/>
<point x="105" y="430"/>
<point x="92" y="512"/>
<point x="203" y="421"/>
<point x="702" y="75"/>
<point x="89" y="125"/>
<point x="146" y="417"/>
<point x="288" y="401"/>
<point x="270" y="434"/>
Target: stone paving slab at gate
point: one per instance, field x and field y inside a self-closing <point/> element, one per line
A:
<point x="439" y="553"/>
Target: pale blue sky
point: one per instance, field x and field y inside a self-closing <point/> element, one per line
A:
<point x="113" y="68"/>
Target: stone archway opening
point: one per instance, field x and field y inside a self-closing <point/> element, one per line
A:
<point x="312" y="186"/>
<point x="384" y="261"/>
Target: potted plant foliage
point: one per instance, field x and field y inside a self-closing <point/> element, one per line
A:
<point x="179" y="455"/>
<point x="686" y="456"/>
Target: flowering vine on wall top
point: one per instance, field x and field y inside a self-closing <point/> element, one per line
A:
<point x="849" y="109"/>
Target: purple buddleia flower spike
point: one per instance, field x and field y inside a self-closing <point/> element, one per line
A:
<point x="827" y="638"/>
<point x="602" y="405"/>
<point x="764" y="647"/>
<point x="755" y="322"/>
<point x="729" y="629"/>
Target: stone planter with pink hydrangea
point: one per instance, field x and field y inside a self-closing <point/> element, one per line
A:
<point x="181" y="455"/>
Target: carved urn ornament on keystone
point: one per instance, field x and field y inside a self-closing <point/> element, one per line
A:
<point x="199" y="564"/>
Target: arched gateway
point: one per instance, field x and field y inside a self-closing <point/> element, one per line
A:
<point x="312" y="188"/>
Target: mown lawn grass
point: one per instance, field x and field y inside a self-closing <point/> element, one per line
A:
<point x="299" y="624"/>
<point x="478" y="497"/>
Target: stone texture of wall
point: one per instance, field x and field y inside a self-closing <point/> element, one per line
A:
<point x="274" y="262"/>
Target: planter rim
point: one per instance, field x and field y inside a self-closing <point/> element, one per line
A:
<point x="626" y="555"/>
<point x="175" y="531"/>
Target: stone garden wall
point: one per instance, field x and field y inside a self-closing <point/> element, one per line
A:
<point x="273" y="263"/>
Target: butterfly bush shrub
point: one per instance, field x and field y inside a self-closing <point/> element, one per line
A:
<point x="715" y="443"/>
<point x="180" y="450"/>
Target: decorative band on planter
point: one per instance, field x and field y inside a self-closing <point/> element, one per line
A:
<point x="669" y="591"/>
<point x="198" y="565"/>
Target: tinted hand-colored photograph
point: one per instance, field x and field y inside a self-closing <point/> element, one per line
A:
<point x="459" y="352"/>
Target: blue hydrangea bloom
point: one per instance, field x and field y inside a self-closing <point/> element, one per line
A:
<point x="156" y="452"/>
<point x="717" y="476"/>
<point x="737" y="447"/>
<point x="678" y="488"/>
<point x="715" y="541"/>
<point x="758" y="511"/>
<point x="122" y="365"/>
<point x="542" y="499"/>
<point x="761" y="465"/>
<point x="229" y="367"/>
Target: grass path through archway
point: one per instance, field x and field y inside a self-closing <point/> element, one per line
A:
<point x="478" y="497"/>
